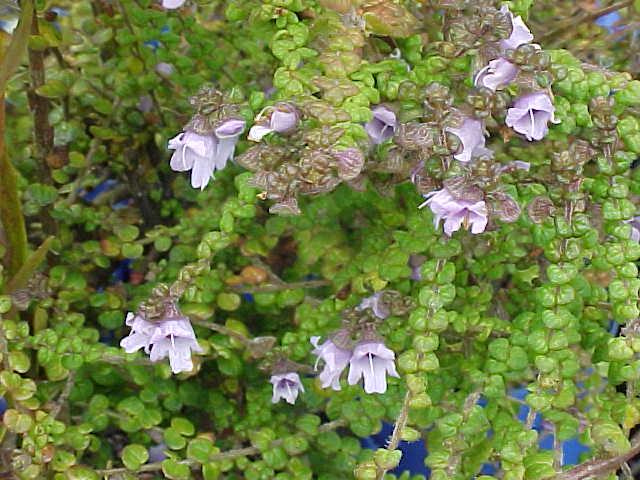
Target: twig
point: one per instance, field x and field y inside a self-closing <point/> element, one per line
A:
<point x="401" y="422"/>
<point x="64" y="395"/>
<point x="572" y="21"/>
<point x="594" y="468"/>
<point x="217" y="457"/>
<point x="282" y="286"/>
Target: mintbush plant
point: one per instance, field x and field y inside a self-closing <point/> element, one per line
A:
<point x="239" y="236"/>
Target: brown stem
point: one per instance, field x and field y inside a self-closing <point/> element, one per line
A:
<point x="11" y="217"/>
<point x="43" y="131"/>
<point x="594" y="468"/>
<point x="401" y="422"/>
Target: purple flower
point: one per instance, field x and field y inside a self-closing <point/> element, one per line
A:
<point x="498" y="74"/>
<point x="145" y="104"/>
<point x="382" y="126"/>
<point x="376" y="304"/>
<point x="287" y="386"/>
<point x="172" y="4"/>
<point x="165" y="70"/>
<point x="635" y="228"/>
<point x="520" y="33"/>
<point x="372" y="361"/>
<point x="530" y="114"/>
<point x="471" y="136"/>
<point x="415" y="263"/>
<point x="171" y="336"/>
<point x="283" y="118"/>
<point x="335" y="361"/>
<point x="204" y="154"/>
<point x="456" y="212"/>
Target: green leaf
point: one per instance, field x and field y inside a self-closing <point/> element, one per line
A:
<point x="183" y="426"/>
<point x="17" y="422"/>
<point x="200" y="449"/>
<point x="175" y="471"/>
<point x="52" y="89"/>
<point x="173" y="439"/>
<point x="134" y="455"/>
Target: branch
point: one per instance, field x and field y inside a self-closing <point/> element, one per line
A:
<point x="11" y="216"/>
<point x="17" y="47"/>
<point x="217" y="457"/>
<point x="282" y="286"/>
<point x="401" y="422"/>
<point x="594" y="468"/>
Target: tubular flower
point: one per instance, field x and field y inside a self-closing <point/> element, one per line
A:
<point x="520" y="33"/>
<point x="335" y="361"/>
<point x="372" y="361"/>
<point x="382" y="126"/>
<point x="376" y="304"/>
<point x="456" y="212"/>
<point x="283" y="118"/>
<point x="287" y="386"/>
<point x="204" y="154"/>
<point x="472" y="138"/>
<point x="172" y="4"/>
<point x="172" y="336"/>
<point x="497" y="74"/>
<point x="530" y="114"/>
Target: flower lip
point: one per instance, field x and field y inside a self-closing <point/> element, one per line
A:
<point x="497" y="74"/>
<point x="530" y="115"/>
<point x="372" y="361"/>
<point x="520" y="33"/>
<point x="471" y="135"/>
<point x="286" y="386"/>
<point x="456" y="212"/>
<point x="383" y="124"/>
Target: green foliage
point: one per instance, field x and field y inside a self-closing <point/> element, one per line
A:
<point x="525" y="304"/>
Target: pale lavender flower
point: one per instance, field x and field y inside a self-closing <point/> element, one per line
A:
<point x="172" y="4"/>
<point x="530" y="114"/>
<point x="471" y="136"/>
<point x="140" y="336"/>
<point x="456" y="212"/>
<point x="157" y="453"/>
<point x="165" y="70"/>
<point x="283" y="118"/>
<point x="171" y="336"/>
<point x="635" y="228"/>
<point x="335" y="361"/>
<point x="287" y="386"/>
<point x="376" y="304"/>
<point x="497" y="74"/>
<point x="145" y="104"/>
<point x="382" y="126"/>
<point x="415" y="263"/>
<point x="372" y="361"/>
<point x="520" y="33"/>
<point x="204" y="154"/>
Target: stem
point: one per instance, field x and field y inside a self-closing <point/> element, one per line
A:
<point x="11" y="217"/>
<point x="217" y="457"/>
<point x="43" y="131"/>
<point x="401" y="422"/>
<point x="586" y="17"/>
<point x="283" y="286"/>
<point x="17" y="47"/>
<point x="594" y="468"/>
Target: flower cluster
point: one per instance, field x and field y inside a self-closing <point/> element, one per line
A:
<point x="169" y="336"/>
